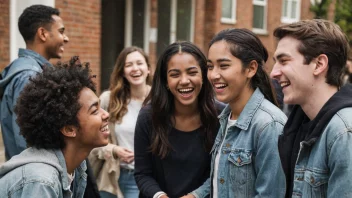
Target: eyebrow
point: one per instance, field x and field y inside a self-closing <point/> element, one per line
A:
<point x="177" y="70"/>
<point x="95" y="104"/>
<point x="220" y="60"/>
<point x="279" y="56"/>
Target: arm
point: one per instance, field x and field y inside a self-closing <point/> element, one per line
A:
<point x="147" y="185"/>
<point x="270" y="181"/>
<point x="34" y="189"/>
<point x="202" y="191"/>
<point x="340" y="165"/>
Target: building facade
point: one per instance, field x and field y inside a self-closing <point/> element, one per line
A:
<point x="100" y="29"/>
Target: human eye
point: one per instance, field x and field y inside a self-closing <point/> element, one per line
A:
<point x="210" y="66"/>
<point x="224" y="66"/>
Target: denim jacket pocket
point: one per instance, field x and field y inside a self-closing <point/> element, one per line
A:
<point x="317" y="183"/>
<point x="241" y="172"/>
<point x="240" y="157"/>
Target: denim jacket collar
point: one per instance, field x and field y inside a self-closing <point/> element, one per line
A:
<point x="247" y="113"/>
<point x="32" y="54"/>
<point x="64" y="177"/>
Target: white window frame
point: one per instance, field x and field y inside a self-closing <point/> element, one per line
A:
<point x="173" y="23"/>
<point x="263" y="3"/>
<point x="16" y="9"/>
<point x="231" y="20"/>
<point x="129" y="25"/>
<point x="288" y="19"/>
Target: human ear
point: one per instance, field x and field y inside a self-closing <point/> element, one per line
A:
<point x="321" y="64"/>
<point x="252" y="68"/>
<point x="69" y="131"/>
<point x="43" y="34"/>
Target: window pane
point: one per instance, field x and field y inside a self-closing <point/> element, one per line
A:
<point x="164" y="20"/>
<point x="294" y="9"/>
<point x="284" y="8"/>
<point x="183" y="26"/>
<point x="138" y="23"/>
<point x="258" y="17"/>
<point x="226" y="10"/>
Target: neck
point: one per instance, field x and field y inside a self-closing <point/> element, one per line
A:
<point x="237" y="105"/>
<point x="186" y="111"/>
<point x="317" y="99"/>
<point x="139" y="92"/>
<point x="37" y="48"/>
<point x="74" y="157"/>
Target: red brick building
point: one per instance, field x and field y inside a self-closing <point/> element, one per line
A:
<point x="100" y="29"/>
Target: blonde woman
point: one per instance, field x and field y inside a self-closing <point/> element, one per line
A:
<point x="114" y="164"/>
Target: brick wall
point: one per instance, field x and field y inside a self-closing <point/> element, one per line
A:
<point x="82" y="21"/>
<point x="4" y="34"/>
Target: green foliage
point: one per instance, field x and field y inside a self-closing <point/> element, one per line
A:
<point x="343" y="13"/>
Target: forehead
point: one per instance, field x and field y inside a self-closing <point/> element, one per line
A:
<point x="181" y="60"/>
<point x="134" y="55"/>
<point x="58" y="23"/>
<point x="87" y="97"/>
<point x="287" y="45"/>
<point x="219" y="48"/>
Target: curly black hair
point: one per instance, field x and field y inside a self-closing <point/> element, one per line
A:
<point x="33" y="17"/>
<point x="50" y="101"/>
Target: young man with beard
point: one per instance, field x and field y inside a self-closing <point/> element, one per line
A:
<point x="60" y="117"/>
<point x="316" y="145"/>
<point x="44" y="34"/>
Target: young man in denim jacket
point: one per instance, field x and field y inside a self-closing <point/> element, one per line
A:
<point x="44" y="34"/>
<point x="316" y="146"/>
<point x="60" y="117"/>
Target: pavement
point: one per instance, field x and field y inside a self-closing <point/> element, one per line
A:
<point x="2" y="150"/>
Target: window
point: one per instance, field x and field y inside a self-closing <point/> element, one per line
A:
<point x="290" y="11"/>
<point x="228" y="11"/>
<point x="259" y="16"/>
<point x="175" y="22"/>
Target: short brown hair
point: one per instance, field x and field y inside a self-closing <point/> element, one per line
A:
<point x="318" y="36"/>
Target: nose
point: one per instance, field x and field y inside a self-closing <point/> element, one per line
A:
<point x="66" y="39"/>
<point x="213" y="74"/>
<point x="275" y="72"/>
<point x="105" y="115"/>
<point x="184" y="80"/>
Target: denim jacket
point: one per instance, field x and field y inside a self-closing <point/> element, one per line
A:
<point x="12" y="81"/>
<point x="249" y="164"/>
<point x="40" y="173"/>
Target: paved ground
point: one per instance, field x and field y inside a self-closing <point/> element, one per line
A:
<point x="2" y="151"/>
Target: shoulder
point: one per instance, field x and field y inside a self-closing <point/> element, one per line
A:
<point x="39" y="175"/>
<point x="268" y="112"/>
<point x="339" y="124"/>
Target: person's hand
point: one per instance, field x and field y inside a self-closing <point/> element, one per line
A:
<point x="124" y="154"/>
<point x="188" y="196"/>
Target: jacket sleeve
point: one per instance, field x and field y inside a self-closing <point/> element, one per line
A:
<point x="34" y="189"/>
<point x="19" y="85"/>
<point x="147" y="185"/>
<point x="340" y="165"/>
<point x="203" y="190"/>
<point x="270" y="181"/>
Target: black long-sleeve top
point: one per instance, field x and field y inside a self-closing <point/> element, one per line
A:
<point x="185" y="168"/>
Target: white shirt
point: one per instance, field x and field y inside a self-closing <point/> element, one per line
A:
<point x="217" y="157"/>
<point x="125" y="130"/>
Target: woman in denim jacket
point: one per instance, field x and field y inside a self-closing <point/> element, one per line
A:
<point x="245" y="158"/>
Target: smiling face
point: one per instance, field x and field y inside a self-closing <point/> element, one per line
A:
<point x="93" y="121"/>
<point x="295" y="77"/>
<point x="226" y="73"/>
<point x="54" y="45"/>
<point x="184" y="79"/>
<point x="136" y="69"/>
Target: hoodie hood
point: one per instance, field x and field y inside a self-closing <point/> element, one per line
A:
<point x="53" y="158"/>
<point x="28" y="60"/>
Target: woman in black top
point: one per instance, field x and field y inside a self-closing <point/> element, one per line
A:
<point x="176" y="129"/>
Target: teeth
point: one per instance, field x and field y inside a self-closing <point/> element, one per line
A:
<point x="136" y="75"/>
<point x="186" y="90"/>
<point x="105" y="128"/>
<point x="284" y="84"/>
<point x="220" y="85"/>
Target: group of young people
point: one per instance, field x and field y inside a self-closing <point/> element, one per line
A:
<point x="205" y="126"/>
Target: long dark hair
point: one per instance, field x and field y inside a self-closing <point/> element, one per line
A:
<point x="162" y="100"/>
<point x="246" y="46"/>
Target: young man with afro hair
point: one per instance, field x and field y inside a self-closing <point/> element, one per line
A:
<point x="60" y="117"/>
